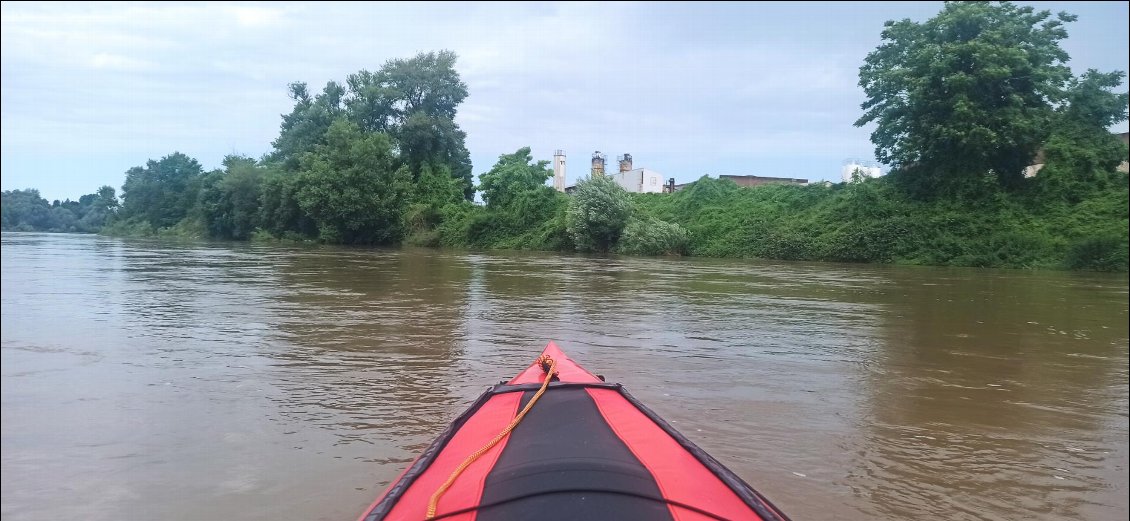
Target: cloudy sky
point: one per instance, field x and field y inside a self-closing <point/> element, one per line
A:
<point x="90" y="90"/>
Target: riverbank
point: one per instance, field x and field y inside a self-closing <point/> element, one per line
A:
<point x="867" y="222"/>
<point x="873" y="221"/>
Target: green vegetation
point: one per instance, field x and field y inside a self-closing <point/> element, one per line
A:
<point x="521" y="212"/>
<point x="26" y="211"/>
<point x="646" y="235"/>
<point x="968" y="92"/>
<point x="598" y="214"/>
<point x="962" y="103"/>
<point x="874" y="221"/>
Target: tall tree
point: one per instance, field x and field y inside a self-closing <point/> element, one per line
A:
<point x="511" y="176"/>
<point x="96" y="209"/>
<point x="412" y="100"/>
<point x="1081" y="155"/>
<point x="162" y="192"/>
<point x="966" y="93"/>
<point x="306" y="125"/>
<point x="415" y="100"/>
<point x="426" y="83"/>
<point x="352" y="189"/>
<point x="25" y="210"/>
<point x="230" y="198"/>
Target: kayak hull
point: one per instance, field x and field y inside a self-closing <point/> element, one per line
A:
<point x="586" y="450"/>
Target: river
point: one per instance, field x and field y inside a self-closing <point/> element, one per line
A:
<point x="147" y="379"/>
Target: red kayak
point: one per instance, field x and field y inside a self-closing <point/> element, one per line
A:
<point x="558" y="443"/>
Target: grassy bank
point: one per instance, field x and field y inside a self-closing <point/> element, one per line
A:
<point x="873" y="222"/>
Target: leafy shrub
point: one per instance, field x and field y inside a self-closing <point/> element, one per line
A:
<point x="650" y="236"/>
<point x="1103" y="253"/>
<point x="597" y="214"/>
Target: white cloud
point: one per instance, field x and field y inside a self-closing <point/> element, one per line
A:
<point x="255" y="16"/>
<point x="118" y="62"/>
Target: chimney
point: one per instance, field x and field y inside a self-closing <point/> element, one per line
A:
<point x="597" y="164"/>
<point x="625" y="162"/>
<point x="559" y="170"/>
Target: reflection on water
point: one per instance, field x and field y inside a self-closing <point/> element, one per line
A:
<point x="148" y="379"/>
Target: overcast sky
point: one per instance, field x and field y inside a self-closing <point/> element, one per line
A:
<point x="688" y="89"/>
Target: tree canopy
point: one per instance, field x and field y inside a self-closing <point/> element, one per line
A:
<point x="26" y="210"/>
<point x="413" y="101"/>
<point x="162" y="192"/>
<point x="352" y="188"/>
<point x="969" y="92"/>
<point x="511" y="176"/>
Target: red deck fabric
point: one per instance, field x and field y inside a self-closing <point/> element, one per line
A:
<point x="480" y="428"/>
<point x="680" y="476"/>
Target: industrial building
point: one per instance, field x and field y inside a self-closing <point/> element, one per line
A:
<point x="634" y="180"/>
<point x="637" y="180"/>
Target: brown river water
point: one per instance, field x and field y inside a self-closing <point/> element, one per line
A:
<point x="189" y="381"/>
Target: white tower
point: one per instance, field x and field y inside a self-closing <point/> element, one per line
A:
<point x="559" y="170"/>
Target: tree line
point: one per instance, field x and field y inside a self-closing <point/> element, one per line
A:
<point x="961" y="103"/>
<point x="27" y="211"/>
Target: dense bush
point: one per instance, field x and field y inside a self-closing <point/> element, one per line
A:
<point x="873" y="221"/>
<point x="598" y="213"/>
<point x="1103" y="253"/>
<point x="650" y="236"/>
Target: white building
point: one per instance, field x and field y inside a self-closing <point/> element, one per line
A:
<point x="640" y="181"/>
<point x="865" y="169"/>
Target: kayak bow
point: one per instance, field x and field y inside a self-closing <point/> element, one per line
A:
<point x="555" y="443"/>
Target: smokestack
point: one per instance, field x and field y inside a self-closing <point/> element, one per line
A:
<point x="625" y="162"/>
<point x="597" y="164"/>
<point x="559" y="170"/>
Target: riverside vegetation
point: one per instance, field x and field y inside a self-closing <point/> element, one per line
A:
<point x="961" y="102"/>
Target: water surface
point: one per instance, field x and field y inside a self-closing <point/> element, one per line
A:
<point x="186" y="381"/>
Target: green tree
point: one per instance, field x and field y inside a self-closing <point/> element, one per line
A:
<point x="230" y="199"/>
<point x="279" y="211"/>
<point x="511" y="176"/>
<point x="433" y="190"/>
<point x="412" y="100"/>
<point x="352" y="189"/>
<point x="415" y="101"/>
<point x="96" y="209"/>
<point x="518" y="204"/>
<point x="597" y="214"/>
<point x="968" y="93"/>
<point x="306" y="125"/>
<point x="25" y="210"/>
<point x="1081" y="156"/>
<point x="162" y="192"/>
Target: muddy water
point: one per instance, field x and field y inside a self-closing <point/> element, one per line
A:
<point x="158" y="380"/>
